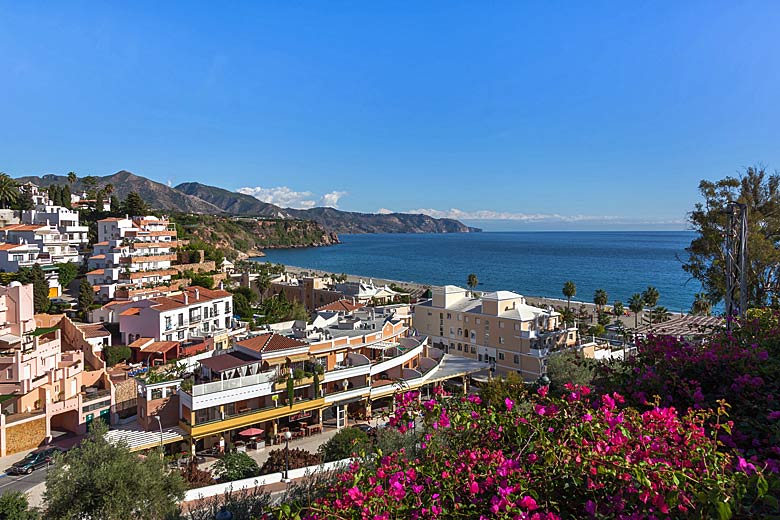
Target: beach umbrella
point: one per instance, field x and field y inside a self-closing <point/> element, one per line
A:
<point x="251" y="432"/>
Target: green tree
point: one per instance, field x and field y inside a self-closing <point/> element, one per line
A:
<point x="568" y="316"/>
<point x="499" y="388"/>
<point x="116" y="353"/>
<point x="570" y="291"/>
<point x="701" y="305"/>
<point x="650" y="297"/>
<point x="618" y="310"/>
<point x="342" y="445"/>
<point x="64" y="197"/>
<point x="72" y="177"/>
<point x="569" y="367"/>
<point x="90" y="183"/>
<point x="37" y="277"/>
<point x="760" y="192"/>
<point x="472" y="281"/>
<point x="86" y="297"/>
<point x="604" y="318"/>
<point x="236" y="466"/>
<point x="636" y="304"/>
<point x="134" y="205"/>
<point x="659" y="314"/>
<point x="14" y="506"/>
<point x="66" y="272"/>
<point x="101" y="479"/>
<point x="600" y="298"/>
<point x="24" y="201"/>
<point x="116" y="206"/>
<point x="9" y="192"/>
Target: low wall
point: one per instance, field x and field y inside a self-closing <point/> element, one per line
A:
<point x="202" y="267"/>
<point x="22" y="435"/>
<point x="262" y="480"/>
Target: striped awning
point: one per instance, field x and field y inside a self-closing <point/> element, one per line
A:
<point x="138" y="439"/>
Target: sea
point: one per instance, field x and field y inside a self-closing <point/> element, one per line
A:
<point x="529" y="263"/>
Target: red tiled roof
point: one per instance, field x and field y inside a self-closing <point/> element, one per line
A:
<point x="93" y="330"/>
<point x="271" y="343"/>
<point x="97" y="271"/>
<point x="7" y="247"/>
<point x="342" y="305"/>
<point x="23" y="227"/>
<point x="132" y="311"/>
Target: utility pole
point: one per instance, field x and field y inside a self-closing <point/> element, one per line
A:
<point x="736" y="261"/>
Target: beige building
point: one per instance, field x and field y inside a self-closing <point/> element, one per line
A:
<point x="497" y="327"/>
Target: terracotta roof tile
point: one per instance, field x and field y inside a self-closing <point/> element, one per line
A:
<point x="342" y="305"/>
<point x="271" y="343"/>
<point x="93" y="330"/>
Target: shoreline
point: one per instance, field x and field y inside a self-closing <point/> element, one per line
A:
<point x="417" y="288"/>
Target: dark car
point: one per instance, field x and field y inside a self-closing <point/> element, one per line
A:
<point x="34" y="461"/>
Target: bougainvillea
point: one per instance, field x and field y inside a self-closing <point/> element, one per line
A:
<point x="741" y="367"/>
<point x="579" y="456"/>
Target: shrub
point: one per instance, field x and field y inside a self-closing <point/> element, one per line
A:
<point x="575" y="457"/>
<point x="343" y="444"/>
<point x="236" y="466"/>
<point x="116" y="354"/>
<point x="299" y="458"/>
<point x="13" y="504"/>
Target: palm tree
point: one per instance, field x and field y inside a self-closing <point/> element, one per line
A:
<point x="570" y="291"/>
<point x="72" y="177"/>
<point x="9" y="191"/>
<point x="472" y="281"/>
<point x="600" y="298"/>
<point x="660" y="314"/>
<point x="650" y="297"/>
<point x="636" y="304"/>
<point x="701" y="305"/>
<point x="618" y="310"/>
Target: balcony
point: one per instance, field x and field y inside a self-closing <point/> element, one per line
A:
<point x="361" y="391"/>
<point x="298" y="383"/>
<point x="250" y="417"/>
<point x="527" y="334"/>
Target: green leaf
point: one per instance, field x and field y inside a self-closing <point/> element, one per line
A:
<point x="724" y="511"/>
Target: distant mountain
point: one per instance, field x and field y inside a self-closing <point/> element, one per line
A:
<point x="193" y="197"/>
<point x="157" y="195"/>
<point x="232" y="202"/>
<point x="331" y="219"/>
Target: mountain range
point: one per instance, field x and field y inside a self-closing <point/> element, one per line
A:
<point x="193" y="197"/>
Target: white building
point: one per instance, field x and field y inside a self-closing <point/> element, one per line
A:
<point x="135" y="252"/>
<point x="65" y="220"/>
<point x="54" y="247"/>
<point x="195" y="313"/>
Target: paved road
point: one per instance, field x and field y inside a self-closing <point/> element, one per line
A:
<point x="22" y="482"/>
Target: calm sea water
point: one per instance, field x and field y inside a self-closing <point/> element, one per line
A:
<point x="530" y="263"/>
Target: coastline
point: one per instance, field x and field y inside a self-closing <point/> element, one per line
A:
<point x="418" y="288"/>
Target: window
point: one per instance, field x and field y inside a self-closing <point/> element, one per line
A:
<point x="500" y="356"/>
<point x="180" y="335"/>
<point x="449" y="316"/>
<point x="167" y="323"/>
<point x="517" y="326"/>
<point x="473" y="349"/>
<point x="460" y="347"/>
<point x="458" y="317"/>
<point x="452" y="331"/>
<point x="429" y="313"/>
<point x="480" y="357"/>
<point x="169" y="337"/>
<point x="517" y="359"/>
<point x="500" y="324"/>
<point x="477" y="321"/>
<point x="466" y="319"/>
<point x="227" y="322"/>
<point x="500" y="340"/>
<point x="227" y="307"/>
<point x="9" y="374"/>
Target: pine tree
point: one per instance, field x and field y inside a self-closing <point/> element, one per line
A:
<point x="41" y="301"/>
<point x="86" y="297"/>
<point x="134" y="205"/>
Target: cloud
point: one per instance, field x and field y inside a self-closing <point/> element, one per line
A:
<point x="281" y="196"/>
<point x="384" y="211"/>
<point x="459" y="214"/>
<point x="332" y="199"/>
<point x="289" y="198"/>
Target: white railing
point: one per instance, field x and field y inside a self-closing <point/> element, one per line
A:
<point x="346" y="372"/>
<point x="398" y="360"/>
<point x="231" y="384"/>
<point x="347" y="394"/>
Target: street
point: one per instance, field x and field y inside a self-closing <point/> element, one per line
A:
<point x="22" y="482"/>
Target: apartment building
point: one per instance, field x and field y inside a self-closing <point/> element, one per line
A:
<point x="134" y="253"/>
<point x="66" y="220"/>
<point x="497" y="328"/>
<point x="45" y="385"/>
<point x="53" y="246"/>
<point x="193" y="313"/>
<point x="293" y="378"/>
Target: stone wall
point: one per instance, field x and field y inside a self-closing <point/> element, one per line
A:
<point x="200" y="267"/>
<point x="24" y="435"/>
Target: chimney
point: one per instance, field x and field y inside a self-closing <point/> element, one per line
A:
<point x="221" y="286"/>
<point x="197" y="294"/>
<point x="186" y="298"/>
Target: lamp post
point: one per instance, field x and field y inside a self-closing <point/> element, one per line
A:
<point x="287" y="437"/>
<point x="161" y="433"/>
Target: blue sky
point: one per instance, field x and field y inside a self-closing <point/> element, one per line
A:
<point x="518" y="115"/>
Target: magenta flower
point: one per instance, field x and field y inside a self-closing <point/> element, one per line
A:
<point x="509" y="404"/>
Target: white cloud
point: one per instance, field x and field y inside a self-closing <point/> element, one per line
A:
<point x="281" y="196"/>
<point x="332" y="199"/>
<point x="459" y="214"/>
<point x="384" y="211"/>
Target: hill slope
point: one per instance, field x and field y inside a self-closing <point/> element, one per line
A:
<point x="157" y="195"/>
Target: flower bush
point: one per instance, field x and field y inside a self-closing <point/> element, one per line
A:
<point x="577" y="456"/>
<point x="741" y="367"/>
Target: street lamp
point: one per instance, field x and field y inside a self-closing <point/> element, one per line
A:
<point x="287" y="437"/>
<point x="161" y="433"/>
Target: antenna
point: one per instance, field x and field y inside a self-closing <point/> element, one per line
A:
<point x="736" y="258"/>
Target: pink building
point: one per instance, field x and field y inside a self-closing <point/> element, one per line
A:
<point x="43" y="382"/>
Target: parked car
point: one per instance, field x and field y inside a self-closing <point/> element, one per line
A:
<point x="35" y="460"/>
<point x="364" y="427"/>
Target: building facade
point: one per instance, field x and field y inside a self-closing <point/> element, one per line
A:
<point x="498" y="328"/>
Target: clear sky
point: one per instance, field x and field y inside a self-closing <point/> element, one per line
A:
<point x="547" y="114"/>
